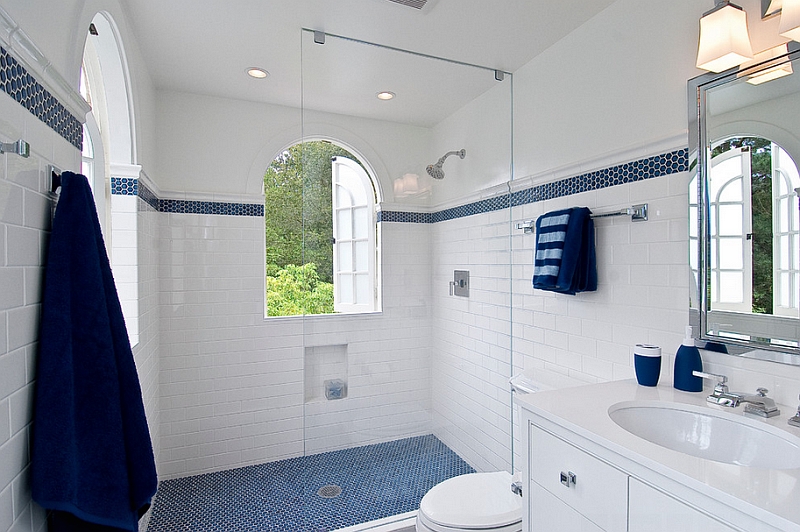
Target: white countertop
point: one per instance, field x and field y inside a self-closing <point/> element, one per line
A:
<point x="770" y="495"/>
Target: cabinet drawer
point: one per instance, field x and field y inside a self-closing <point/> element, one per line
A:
<point x="591" y="487"/>
<point x="653" y="511"/>
<point x="548" y="513"/>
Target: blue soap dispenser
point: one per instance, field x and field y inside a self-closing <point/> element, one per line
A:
<point x="688" y="360"/>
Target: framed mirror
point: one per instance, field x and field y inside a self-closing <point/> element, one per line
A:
<point x="744" y="139"/>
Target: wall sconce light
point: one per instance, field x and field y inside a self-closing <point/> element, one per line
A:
<point x="724" y="39"/>
<point x="768" y="72"/>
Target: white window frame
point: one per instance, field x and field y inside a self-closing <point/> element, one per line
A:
<point x="786" y="235"/>
<point x="354" y="226"/>
<point x="716" y="190"/>
<point x="105" y="82"/>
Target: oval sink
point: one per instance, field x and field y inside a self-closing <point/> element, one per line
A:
<point x="709" y="434"/>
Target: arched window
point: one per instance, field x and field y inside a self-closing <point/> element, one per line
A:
<point x="754" y="228"/>
<point x="321" y="232"/>
<point x="107" y="154"/>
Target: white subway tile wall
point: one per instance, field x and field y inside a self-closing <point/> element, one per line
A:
<point x="146" y="351"/>
<point x="24" y="230"/>
<point x="471" y="354"/>
<point x="232" y="383"/>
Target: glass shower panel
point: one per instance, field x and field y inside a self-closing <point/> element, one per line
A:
<point x="390" y="396"/>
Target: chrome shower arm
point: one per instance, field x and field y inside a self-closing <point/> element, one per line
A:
<point x="461" y="153"/>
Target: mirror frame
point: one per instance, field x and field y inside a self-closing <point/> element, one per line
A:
<point x="698" y="166"/>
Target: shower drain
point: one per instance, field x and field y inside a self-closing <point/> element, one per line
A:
<point x="330" y="491"/>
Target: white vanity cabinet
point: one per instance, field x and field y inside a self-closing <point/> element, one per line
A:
<point x="584" y="473"/>
<point x="570" y="489"/>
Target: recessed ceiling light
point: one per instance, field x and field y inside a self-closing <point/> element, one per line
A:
<point x="385" y="95"/>
<point x="258" y="73"/>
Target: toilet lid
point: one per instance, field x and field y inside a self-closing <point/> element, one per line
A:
<point x="475" y="500"/>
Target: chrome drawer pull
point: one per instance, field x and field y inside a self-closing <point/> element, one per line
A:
<point x="568" y="478"/>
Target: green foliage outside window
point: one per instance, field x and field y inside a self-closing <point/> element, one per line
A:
<point x="296" y="290"/>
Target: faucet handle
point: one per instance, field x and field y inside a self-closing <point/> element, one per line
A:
<point x="762" y="392"/>
<point x="720" y="386"/>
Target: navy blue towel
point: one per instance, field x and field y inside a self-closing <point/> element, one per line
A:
<point x="91" y="456"/>
<point x="565" y="259"/>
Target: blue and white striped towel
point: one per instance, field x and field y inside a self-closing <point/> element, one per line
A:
<point x="551" y="232"/>
<point x="565" y="256"/>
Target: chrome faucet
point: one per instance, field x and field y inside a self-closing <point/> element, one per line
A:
<point x="757" y="404"/>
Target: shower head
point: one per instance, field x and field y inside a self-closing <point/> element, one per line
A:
<point x="435" y="170"/>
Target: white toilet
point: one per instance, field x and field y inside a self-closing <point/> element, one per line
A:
<point x="471" y="503"/>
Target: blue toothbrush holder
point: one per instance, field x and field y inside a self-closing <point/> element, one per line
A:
<point x="647" y="363"/>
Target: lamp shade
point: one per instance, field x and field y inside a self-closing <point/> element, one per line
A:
<point x="790" y="20"/>
<point x="724" y="40"/>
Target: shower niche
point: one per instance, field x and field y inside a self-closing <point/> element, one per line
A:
<point x="325" y="371"/>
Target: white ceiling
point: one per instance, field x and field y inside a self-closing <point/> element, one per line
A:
<point x="205" y="46"/>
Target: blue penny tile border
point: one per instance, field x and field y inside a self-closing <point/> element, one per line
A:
<point x="147" y="195"/>
<point x="17" y="82"/>
<point x="648" y="168"/>
<point x="210" y="207"/>
<point x="133" y="187"/>
<point x="124" y="186"/>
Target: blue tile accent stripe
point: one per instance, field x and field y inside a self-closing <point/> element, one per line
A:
<point x="147" y="195"/>
<point x="377" y="481"/>
<point x="488" y="205"/>
<point x="210" y="207"/>
<point x="20" y="85"/>
<point x="649" y="168"/>
<point x="656" y="166"/>
<point x="126" y="186"/>
<point x="399" y="216"/>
